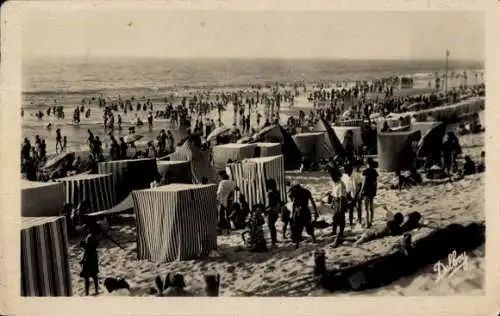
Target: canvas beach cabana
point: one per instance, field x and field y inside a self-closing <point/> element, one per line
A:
<point x="198" y="158"/>
<point x="129" y="174"/>
<point x="269" y="149"/>
<point x="250" y="176"/>
<point x="393" y="149"/>
<point x="96" y="189"/>
<point x="176" y="221"/>
<point x="176" y="171"/>
<point x="44" y="257"/>
<point x="41" y="198"/>
<point x="235" y="152"/>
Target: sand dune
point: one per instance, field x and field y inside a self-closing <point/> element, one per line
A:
<point x="287" y="271"/>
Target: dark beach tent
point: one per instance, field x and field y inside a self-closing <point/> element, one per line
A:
<point x="332" y="146"/>
<point x="277" y="134"/>
<point x="200" y="161"/>
<point x="431" y="140"/>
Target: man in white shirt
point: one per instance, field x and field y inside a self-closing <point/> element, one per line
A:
<point x="352" y="185"/>
<point x="339" y="201"/>
<point x="225" y="196"/>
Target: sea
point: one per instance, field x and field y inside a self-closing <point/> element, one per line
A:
<point x="67" y="81"/>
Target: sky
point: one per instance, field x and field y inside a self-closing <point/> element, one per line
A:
<point x="255" y="34"/>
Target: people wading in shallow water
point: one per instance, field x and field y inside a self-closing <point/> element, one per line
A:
<point x="301" y="214"/>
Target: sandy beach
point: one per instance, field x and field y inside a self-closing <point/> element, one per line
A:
<point x="285" y="270"/>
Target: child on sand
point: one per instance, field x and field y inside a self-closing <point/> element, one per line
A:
<point x="369" y="190"/>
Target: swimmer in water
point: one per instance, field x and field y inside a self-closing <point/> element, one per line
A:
<point x="49" y="126"/>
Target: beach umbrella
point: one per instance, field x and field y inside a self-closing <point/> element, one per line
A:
<point x="431" y="140"/>
<point x="217" y="132"/>
<point x="132" y="138"/>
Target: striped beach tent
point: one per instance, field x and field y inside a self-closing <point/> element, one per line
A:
<point x="44" y="257"/>
<point x="250" y="176"/>
<point x="41" y="198"/>
<point x="176" y="221"/>
<point x="97" y="189"/>
<point x="200" y="161"/>
<point x="129" y="174"/>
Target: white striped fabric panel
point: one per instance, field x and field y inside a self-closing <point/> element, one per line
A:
<point x="173" y="225"/>
<point x="44" y="260"/>
<point x="275" y="169"/>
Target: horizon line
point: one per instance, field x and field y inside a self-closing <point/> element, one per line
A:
<point x="450" y="58"/>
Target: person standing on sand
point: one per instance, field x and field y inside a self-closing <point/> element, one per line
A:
<point x="369" y="190"/>
<point x="273" y="196"/>
<point x="351" y="185"/>
<point x="339" y="203"/>
<point x="59" y="140"/>
<point x="301" y="214"/>
<point x="90" y="140"/>
<point x="90" y="260"/>
<point x="225" y="195"/>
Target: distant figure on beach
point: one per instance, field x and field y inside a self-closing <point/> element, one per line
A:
<point x="90" y="140"/>
<point x="301" y="214"/>
<point x="369" y="190"/>
<point x="59" y="143"/>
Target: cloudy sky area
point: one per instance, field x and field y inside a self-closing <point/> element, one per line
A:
<point x="255" y="34"/>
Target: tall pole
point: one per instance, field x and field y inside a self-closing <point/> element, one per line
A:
<point x="446" y="74"/>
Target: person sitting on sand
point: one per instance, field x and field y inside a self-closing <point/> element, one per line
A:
<point x="237" y="216"/>
<point x="176" y="287"/>
<point x="469" y="166"/>
<point x="391" y="228"/>
<point x="90" y="260"/>
<point x="117" y="287"/>
<point x="257" y="241"/>
<point x="301" y="214"/>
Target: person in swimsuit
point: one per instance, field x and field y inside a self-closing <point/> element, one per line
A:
<point x="301" y="214"/>
<point x="369" y="190"/>
<point x="273" y="196"/>
<point x="90" y="260"/>
<point x="59" y="142"/>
